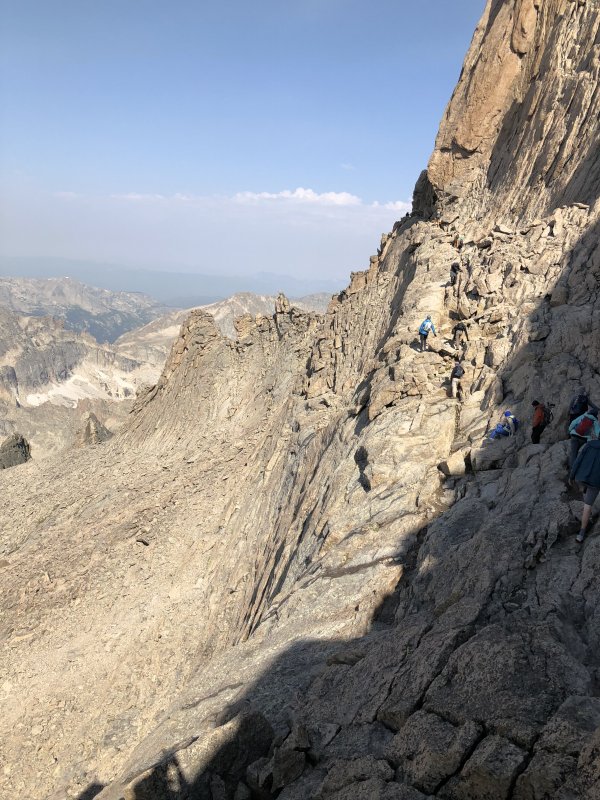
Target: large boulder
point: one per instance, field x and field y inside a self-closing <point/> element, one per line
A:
<point x="14" y="450"/>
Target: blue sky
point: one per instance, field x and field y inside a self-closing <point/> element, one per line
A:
<point x="219" y="136"/>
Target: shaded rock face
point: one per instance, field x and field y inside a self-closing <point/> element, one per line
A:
<point x="306" y="572"/>
<point x="13" y="451"/>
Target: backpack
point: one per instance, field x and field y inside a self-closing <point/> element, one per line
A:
<point x="458" y="371"/>
<point x="548" y="415"/>
<point x="579" y="404"/>
<point x="584" y="427"/>
<point x="425" y="326"/>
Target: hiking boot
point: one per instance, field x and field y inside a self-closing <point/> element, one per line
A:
<point x="580" y="537"/>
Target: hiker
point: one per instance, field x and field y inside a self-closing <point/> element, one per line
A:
<point x="586" y="472"/>
<point x="579" y="404"/>
<point x="542" y="416"/>
<point x="460" y="335"/>
<point x="455" y="376"/>
<point x="581" y="430"/>
<point x="455" y="269"/>
<point x="458" y="242"/>
<point x="508" y="426"/>
<point x="424" y="328"/>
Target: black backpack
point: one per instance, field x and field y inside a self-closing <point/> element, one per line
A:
<point x="579" y="405"/>
<point x="548" y="415"/>
<point x="458" y="371"/>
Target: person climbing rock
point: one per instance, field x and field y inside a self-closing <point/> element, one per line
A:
<point x="460" y="335"/>
<point x="542" y="416"/>
<point x="458" y="242"/>
<point x="508" y="426"/>
<point x="455" y="376"/>
<point x="425" y="327"/>
<point x="579" y="404"/>
<point x="586" y="473"/>
<point x="455" y="270"/>
<point x="581" y="430"/>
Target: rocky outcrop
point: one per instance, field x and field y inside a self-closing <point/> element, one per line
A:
<point x="92" y="432"/>
<point x="13" y="451"/>
<point x="308" y="572"/>
<point x="153" y="341"/>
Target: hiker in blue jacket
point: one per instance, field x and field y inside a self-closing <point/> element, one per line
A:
<point x="424" y="328"/>
<point x="508" y="426"/>
<point x="581" y="430"/>
<point x="586" y="472"/>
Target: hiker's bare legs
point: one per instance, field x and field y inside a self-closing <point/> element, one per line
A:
<point x="585" y="517"/>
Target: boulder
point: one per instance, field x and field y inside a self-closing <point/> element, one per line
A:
<point x="14" y="451"/>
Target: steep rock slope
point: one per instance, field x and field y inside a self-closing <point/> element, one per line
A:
<point x="307" y="574"/>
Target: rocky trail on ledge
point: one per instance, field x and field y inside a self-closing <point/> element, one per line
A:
<point x="300" y="570"/>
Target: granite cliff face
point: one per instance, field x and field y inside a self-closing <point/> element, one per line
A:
<point x="518" y="137"/>
<point x="300" y="571"/>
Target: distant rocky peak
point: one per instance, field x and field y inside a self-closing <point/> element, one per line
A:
<point x="92" y="431"/>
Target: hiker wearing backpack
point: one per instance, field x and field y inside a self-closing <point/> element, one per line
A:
<point x="458" y="242"/>
<point x="586" y="472"/>
<point x="579" y="404"/>
<point x="542" y="416"/>
<point x="455" y="269"/>
<point x="455" y="376"/>
<point x="582" y="430"/>
<point x="460" y="335"/>
<point x="508" y="426"/>
<point x="424" y="328"/>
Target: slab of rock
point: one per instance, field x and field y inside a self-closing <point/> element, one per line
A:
<point x="488" y="774"/>
<point x="428" y="749"/>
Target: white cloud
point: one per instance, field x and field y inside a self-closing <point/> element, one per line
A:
<point x="394" y="205"/>
<point x="301" y="195"/>
<point x="297" y="231"/>
<point x="137" y="197"/>
<point x="348" y="167"/>
<point x="296" y="197"/>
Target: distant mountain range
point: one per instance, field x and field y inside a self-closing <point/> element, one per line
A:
<point x="178" y="289"/>
<point x="50" y="377"/>
<point x="67" y="349"/>
<point x="102" y="313"/>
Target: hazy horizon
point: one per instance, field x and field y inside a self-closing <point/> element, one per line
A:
<point x="177" y="288"/>
<point x="224" y="140"/>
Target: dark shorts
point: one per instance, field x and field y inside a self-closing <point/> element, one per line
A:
<point x="591" y="493"/>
